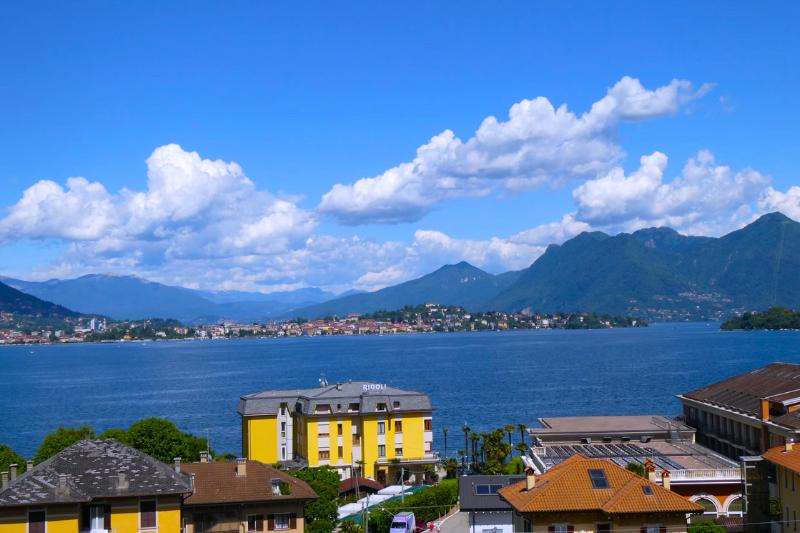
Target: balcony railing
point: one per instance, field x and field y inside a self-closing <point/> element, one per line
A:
<point x="704" y="474"/>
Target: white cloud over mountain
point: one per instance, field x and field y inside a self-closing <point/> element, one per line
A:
<point x="204" y="223"/>
<point x="538" y="144"/>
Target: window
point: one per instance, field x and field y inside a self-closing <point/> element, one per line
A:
<point x="353" y="407"/>
<point x="561" y="528"/>
<point x="255" y="522"/>
<point x="356" y="439"/>
<point x="647" y="489"/>
<point x="487" y="490"/>
<point x="736" y="506"/>
<point x="147" y="514"/>
<point x="276" y="487"/>
<point x="381" y="450"/>
<point x="283" y="429"/>
<point x="324" y="455"/>
<point x="395" y="404"/>
<point x="381" y="428"/>
<point x="36" y="522"/>
<point x="339" y="428"/>
<point x="603" y="528"/>
<point x="381" y="406"/>
<point x="282" y="521"/>
<point x="428" y="424"/>
<point x="708" y="505"/>
<point x="398" y="426"/>
<point x="398" y="452"/>
<point x="653" y="529"/>
<point x="598" y="477"/>
<point x="340" y="451"/>
<point x="283" y="409"/>
<point x="283" y="452"/>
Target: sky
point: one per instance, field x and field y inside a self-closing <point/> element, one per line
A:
<point x="272" y="146"/>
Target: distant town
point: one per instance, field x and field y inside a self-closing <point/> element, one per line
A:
<point x="427" y="318"/>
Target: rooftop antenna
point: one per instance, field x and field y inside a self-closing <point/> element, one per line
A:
<point x="323" y="382"/>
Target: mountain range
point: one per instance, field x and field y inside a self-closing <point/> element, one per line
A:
<point x="19" y="303"/>
<point x="131" y="297"/>
<point x="653" y="273"/>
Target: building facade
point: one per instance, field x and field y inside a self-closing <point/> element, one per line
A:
<point x="595" y="496"/>
<point x="786" y="461"/>
<point x="479" y="498"/>
<point x="97" y="486"/>
<point x="747" y="414"/>
<point x="374" y="430"/>
<point x="244" y="497"/>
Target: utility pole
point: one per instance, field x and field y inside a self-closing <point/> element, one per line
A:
<point x="366" y="516"/>
<point x="402" y="485"/>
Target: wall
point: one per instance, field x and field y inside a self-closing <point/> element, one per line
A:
<point x="478" y="521"/>
<point x="587" y="522"/>
<point x="788" y="483"/>
<point x="261" y="433"/>
<point x="227" y="518"/>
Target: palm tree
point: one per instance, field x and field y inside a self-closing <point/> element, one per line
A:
<point x="444" y="432"/>
<point x="510" y="429"/>
<point x="474" y="438"/>
<point x="466" y="431"/>
<point x="521" y="428"/>
<point x="522" y="448"/>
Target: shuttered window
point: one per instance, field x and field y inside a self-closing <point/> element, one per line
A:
<point x="37" y="522"/>
<point x="255" y="522"/>
<point x="147" y="514"/>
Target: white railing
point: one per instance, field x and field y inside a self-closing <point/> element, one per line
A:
<point x="704" y="474"/>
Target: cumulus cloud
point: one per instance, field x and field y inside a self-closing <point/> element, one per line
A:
<point x="706" y="198"/>
<point x="787" y="202"/>
<point x="538" y="144"/>
<point x="192" y="207"/>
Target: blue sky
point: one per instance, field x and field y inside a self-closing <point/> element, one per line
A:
<point x="307" y="97"/>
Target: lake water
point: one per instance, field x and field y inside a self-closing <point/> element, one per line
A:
<point x="485" y="379"/>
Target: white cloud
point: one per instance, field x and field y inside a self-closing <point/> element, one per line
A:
<point x="787" y="202"/>
<point x="538" y="144"/>
<point x="705" y="198"/>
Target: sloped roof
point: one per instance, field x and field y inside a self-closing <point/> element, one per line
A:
<point x="778" y="382"/>
<point x="351" y="483"/>
<point x="780" y="456"/>
<point x="338" y="397"/>
<point x="217" y="483"/>
<point x="91" y="470"/>
<point x="567" y="487"/>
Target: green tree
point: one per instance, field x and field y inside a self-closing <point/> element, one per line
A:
<point x="706" y="526"/>
<point x="521" y="428"/>
<point x="636" y="468"/>
<point x="522" y="448"/>
<point x="117" y="434"/>
<point x="444" y="433"/>
<point x="9" y="457"/>
<point x="510" y="430"/>
<point x="450" y="466"/>
<point x="163" y="440"/>
<point x="321" y="516"/>
<point x="61" y="439"/>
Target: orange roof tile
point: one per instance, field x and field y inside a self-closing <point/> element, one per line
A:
<point x="780" y="456"/>
<point x="567" y="487"/>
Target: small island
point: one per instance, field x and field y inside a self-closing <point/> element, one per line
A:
<point x="774" y="318"/>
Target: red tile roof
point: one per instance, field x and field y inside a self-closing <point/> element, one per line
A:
<point x="567" y="487"/>
<point x="350" y="484"/>
<point x="217" y="483"/>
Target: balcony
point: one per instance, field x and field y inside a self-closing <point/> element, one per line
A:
<point x="719" y="475"/>
<point x="428" y="458"/>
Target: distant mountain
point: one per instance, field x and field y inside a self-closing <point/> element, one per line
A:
<point x="461" y="284"/>
<point x="20" y="303"/>
<point x="658" y="273"/>
<point x="131" y="297"/>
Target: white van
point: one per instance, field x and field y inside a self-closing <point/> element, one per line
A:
<point x="403" y="523"/>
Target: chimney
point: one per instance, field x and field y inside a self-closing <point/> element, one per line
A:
<point x="789" y="445"/>
<point x="177" y="462"/>
<point x="204" y="457"/>
<point x="530" y="479"/>
<point x="122" y="480"/>
<point x="29" y="465"/>
<point x="665" y="479"/>
<point x="5" y="480"/>
<point x="62" y="489"/>
<point x="650" y="470"/>
<point x="13" y="469"/>
<point x="764" y="410"/>
<point x="241" y="467"/>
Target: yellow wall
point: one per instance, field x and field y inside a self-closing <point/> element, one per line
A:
<point x="413" y="436"/>
<point x="369" y="444"/>
<point x="311" y="442"/>
<point x="124" y="517"/>
<point x="262" y="439"/>
<point x="790" y="497"/>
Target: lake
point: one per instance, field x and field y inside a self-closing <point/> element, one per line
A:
<point x="486" y="379"/>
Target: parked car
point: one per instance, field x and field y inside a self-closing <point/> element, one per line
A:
<point x="403" y="523"/>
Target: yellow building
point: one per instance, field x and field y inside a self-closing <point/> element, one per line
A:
<point x="97" y="486"/>
<point x="786" y="459"/>
<point x="357" y="427"/>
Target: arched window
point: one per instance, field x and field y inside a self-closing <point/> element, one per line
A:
<point x="736" y="506"/>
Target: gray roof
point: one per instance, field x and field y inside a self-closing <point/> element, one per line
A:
<point x="338" y="397"/>
<point x="91" y="469"/>
<point x="471" y="500"/>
